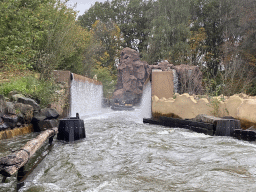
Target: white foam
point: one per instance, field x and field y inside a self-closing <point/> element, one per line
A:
<point x="86" y="98"/>
<point x="194" y="135"/>
<point x="163" y="133"/>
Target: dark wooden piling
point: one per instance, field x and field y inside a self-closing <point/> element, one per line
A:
<point x="208" y="125"/>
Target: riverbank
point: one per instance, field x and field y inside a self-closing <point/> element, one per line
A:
<point x="25" y="103"/>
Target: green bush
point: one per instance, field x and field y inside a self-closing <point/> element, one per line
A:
<point x="40" y="90"/>
<point x="109" y="84"/>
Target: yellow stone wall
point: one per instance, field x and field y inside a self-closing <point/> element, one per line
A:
<point x="162" y="83"/>
<point x="185" y="106"/>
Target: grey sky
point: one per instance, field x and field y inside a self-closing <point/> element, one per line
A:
<point x="83" y="5"/>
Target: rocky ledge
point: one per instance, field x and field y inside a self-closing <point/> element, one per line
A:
<point x="18" y="111"/>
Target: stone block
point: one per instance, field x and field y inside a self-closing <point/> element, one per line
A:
<point x="45" y="124"/>
<point x="10" y="120"/>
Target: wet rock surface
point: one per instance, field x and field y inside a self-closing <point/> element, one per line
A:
<point x="10" y="120"/>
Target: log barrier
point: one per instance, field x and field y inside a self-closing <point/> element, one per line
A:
<point x="15" y="162"/>
<point x="69" y="130"/>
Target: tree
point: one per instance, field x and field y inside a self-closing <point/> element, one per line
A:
<point x="239" y="48"/>
<point x="197" y="46"/>
<point x="108" y="36"/>
<point x="169" y="31"/>
<point x="41" y="35"/>
<point x="209" y="16"/>
<point x="129" y="15"/>
<point x="20" y="30"/>
<point x="99" y="11"/>
<point x="103" y="53"/>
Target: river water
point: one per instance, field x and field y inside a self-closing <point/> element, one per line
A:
<point x="121" y="153"/>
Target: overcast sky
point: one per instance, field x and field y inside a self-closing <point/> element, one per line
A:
<point x="83" y="5"/>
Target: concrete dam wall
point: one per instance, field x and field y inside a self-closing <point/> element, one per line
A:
<point x="79" y="94"/>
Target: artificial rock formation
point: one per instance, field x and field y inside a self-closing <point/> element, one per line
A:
<point x="133" y="73"/>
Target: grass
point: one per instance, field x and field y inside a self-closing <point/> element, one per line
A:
<point x="28" y="84"/>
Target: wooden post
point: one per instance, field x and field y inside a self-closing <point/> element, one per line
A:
<point x="10" y="164"/>
<point x="21" y="173"/>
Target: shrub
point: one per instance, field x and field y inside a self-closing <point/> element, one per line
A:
<point x="40" y="90"/>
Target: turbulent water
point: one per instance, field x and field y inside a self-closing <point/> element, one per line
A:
<point x="121" y="153"/>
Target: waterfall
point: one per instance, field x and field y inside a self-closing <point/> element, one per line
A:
<point x="86" y="97"/>
<point x="175" y="81"/>
<point x="145" y="106"/>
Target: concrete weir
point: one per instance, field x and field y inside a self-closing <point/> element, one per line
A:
<point x="82" y="94"/>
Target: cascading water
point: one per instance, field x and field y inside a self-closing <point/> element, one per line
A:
<point x="175" y="81"/>
<point x="145" y="106"/>
<point x="86" y="97"/>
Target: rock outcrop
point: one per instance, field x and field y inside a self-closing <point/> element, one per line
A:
<point x="132" y="74"/>
<point x="24" y="111"/>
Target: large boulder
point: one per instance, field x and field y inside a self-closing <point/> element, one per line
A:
<point x="45" y="124"/>
<point x="29" y="101"/>
<point x="10" y="109"/>
<point x="50" y="113"/>
<point x="16" y="96"/>
<point x="24" y="112"/>
<point x="45" y="119"/>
